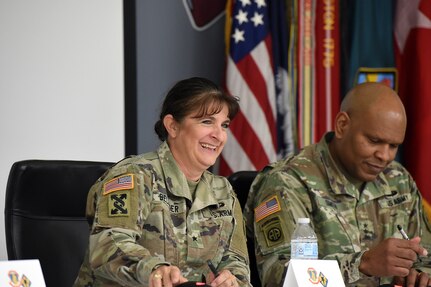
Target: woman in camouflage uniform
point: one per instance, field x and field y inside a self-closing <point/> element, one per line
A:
<point x="159" y="216"/>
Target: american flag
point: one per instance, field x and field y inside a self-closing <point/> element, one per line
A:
<point x="256" y="72"/>
<point x="266" y="208"/>
<point x="119" y="183"/>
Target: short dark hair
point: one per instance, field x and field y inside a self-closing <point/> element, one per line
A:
<point x="194" y="95"/>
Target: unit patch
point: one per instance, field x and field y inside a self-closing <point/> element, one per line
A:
<point x="272" y="231"/>
<point x="118" y="204"/>
<point x="267" y="208"/>
<point x="123" y="182"/>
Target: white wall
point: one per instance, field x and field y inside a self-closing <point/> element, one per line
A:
<point x="61" y="83"/>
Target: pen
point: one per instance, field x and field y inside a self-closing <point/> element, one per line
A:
<point x="213" y="269"/>
<point x="404" y="235"/>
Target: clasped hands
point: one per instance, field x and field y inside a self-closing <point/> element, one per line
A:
<point x="170" y="276"/>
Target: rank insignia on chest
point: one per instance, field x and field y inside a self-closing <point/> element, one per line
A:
<point x="118" y="204"/>
<point x="196" y="241"/>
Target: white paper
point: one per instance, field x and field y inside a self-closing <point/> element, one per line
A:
<point x="21" y="273"/>
<point x="313" y="273"/>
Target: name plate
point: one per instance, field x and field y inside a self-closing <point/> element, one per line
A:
<point x="21" y="273"/>
<point x="313" y="273"/>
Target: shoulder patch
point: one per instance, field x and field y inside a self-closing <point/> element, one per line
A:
<point x="123" y="182"/>
<point x="118" y="204"/>
<point x="266" y="208"/>
<point x="273" y="232"/>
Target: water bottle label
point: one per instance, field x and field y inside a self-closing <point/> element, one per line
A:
<point x="304" y="250"/>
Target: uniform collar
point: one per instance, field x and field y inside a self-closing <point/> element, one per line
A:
<point x="176" y="181"/>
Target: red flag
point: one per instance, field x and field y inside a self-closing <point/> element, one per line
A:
<point x="413" y="46"/>
<point x="255" y="74"/>
<point x="327" y="67"/>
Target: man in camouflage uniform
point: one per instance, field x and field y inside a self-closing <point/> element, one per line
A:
<point x="141" y="223"/>
<point x="354" y="194"/>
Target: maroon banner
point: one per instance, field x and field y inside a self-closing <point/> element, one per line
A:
<point x="327" y="93"/>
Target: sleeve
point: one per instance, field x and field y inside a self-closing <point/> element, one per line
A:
<point x="419" y="225"/>
<point x="275" y="210"/>
<point x="349" y="265"/>
<point x="274" y="227"/>
<point x="122" y="206"/>
<point x="236" y="258"/>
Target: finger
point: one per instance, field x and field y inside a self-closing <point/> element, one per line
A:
<point x="175" y="275"/>
<point x="224" y="279"/>
<point x="183" y="280"/>
<point x="234" y="282"/>
<point x="166" y="280"/>
<point x="230" y="282"/>
<point x="416" y="247"/>
<point x="210" y="277"/>
<point x="423" y="279"/>
<point x="412" y="278"/>
<point x="407" y="251"/>
<point x="406" y="255"/>
<point x="400" y="271"/>
<point x="156" y="279"/>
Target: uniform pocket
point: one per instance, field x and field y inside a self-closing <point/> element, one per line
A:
<point x="208" y="238"/>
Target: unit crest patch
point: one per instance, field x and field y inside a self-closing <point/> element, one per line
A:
<point x="118" y="204"/>
<point x="273" y="231"/>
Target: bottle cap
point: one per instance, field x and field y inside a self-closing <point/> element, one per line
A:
<point x="304" y="220"/>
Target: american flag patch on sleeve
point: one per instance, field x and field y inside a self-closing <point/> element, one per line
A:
<point x="119" y="183"/>
<point x="266" y="208"/>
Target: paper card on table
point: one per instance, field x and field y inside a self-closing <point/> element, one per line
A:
<point x="21" y="273"/>
<point x="312" y="273"/>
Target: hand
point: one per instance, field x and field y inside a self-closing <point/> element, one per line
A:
<point x="414" y="279"/>
<point x="166" y="276"/>
<point x="391" y="257"/>
<point x="224" y="279"/>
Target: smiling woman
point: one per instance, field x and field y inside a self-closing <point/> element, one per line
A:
<point x="160" y="216"/>
<point x="193" y="120"/>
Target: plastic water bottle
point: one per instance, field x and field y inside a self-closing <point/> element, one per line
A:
<point x="304" y="241"/>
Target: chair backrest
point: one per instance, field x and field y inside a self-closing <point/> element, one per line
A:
<point x="45" y="214"/>
<point x="241" y="182"/>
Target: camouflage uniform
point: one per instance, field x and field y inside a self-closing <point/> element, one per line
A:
<point x="144" y="217"/>
<point x="347" y="221"/>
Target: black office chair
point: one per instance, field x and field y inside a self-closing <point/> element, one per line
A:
<point x="241" y="182"/>
<point x="45" y="214"/>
